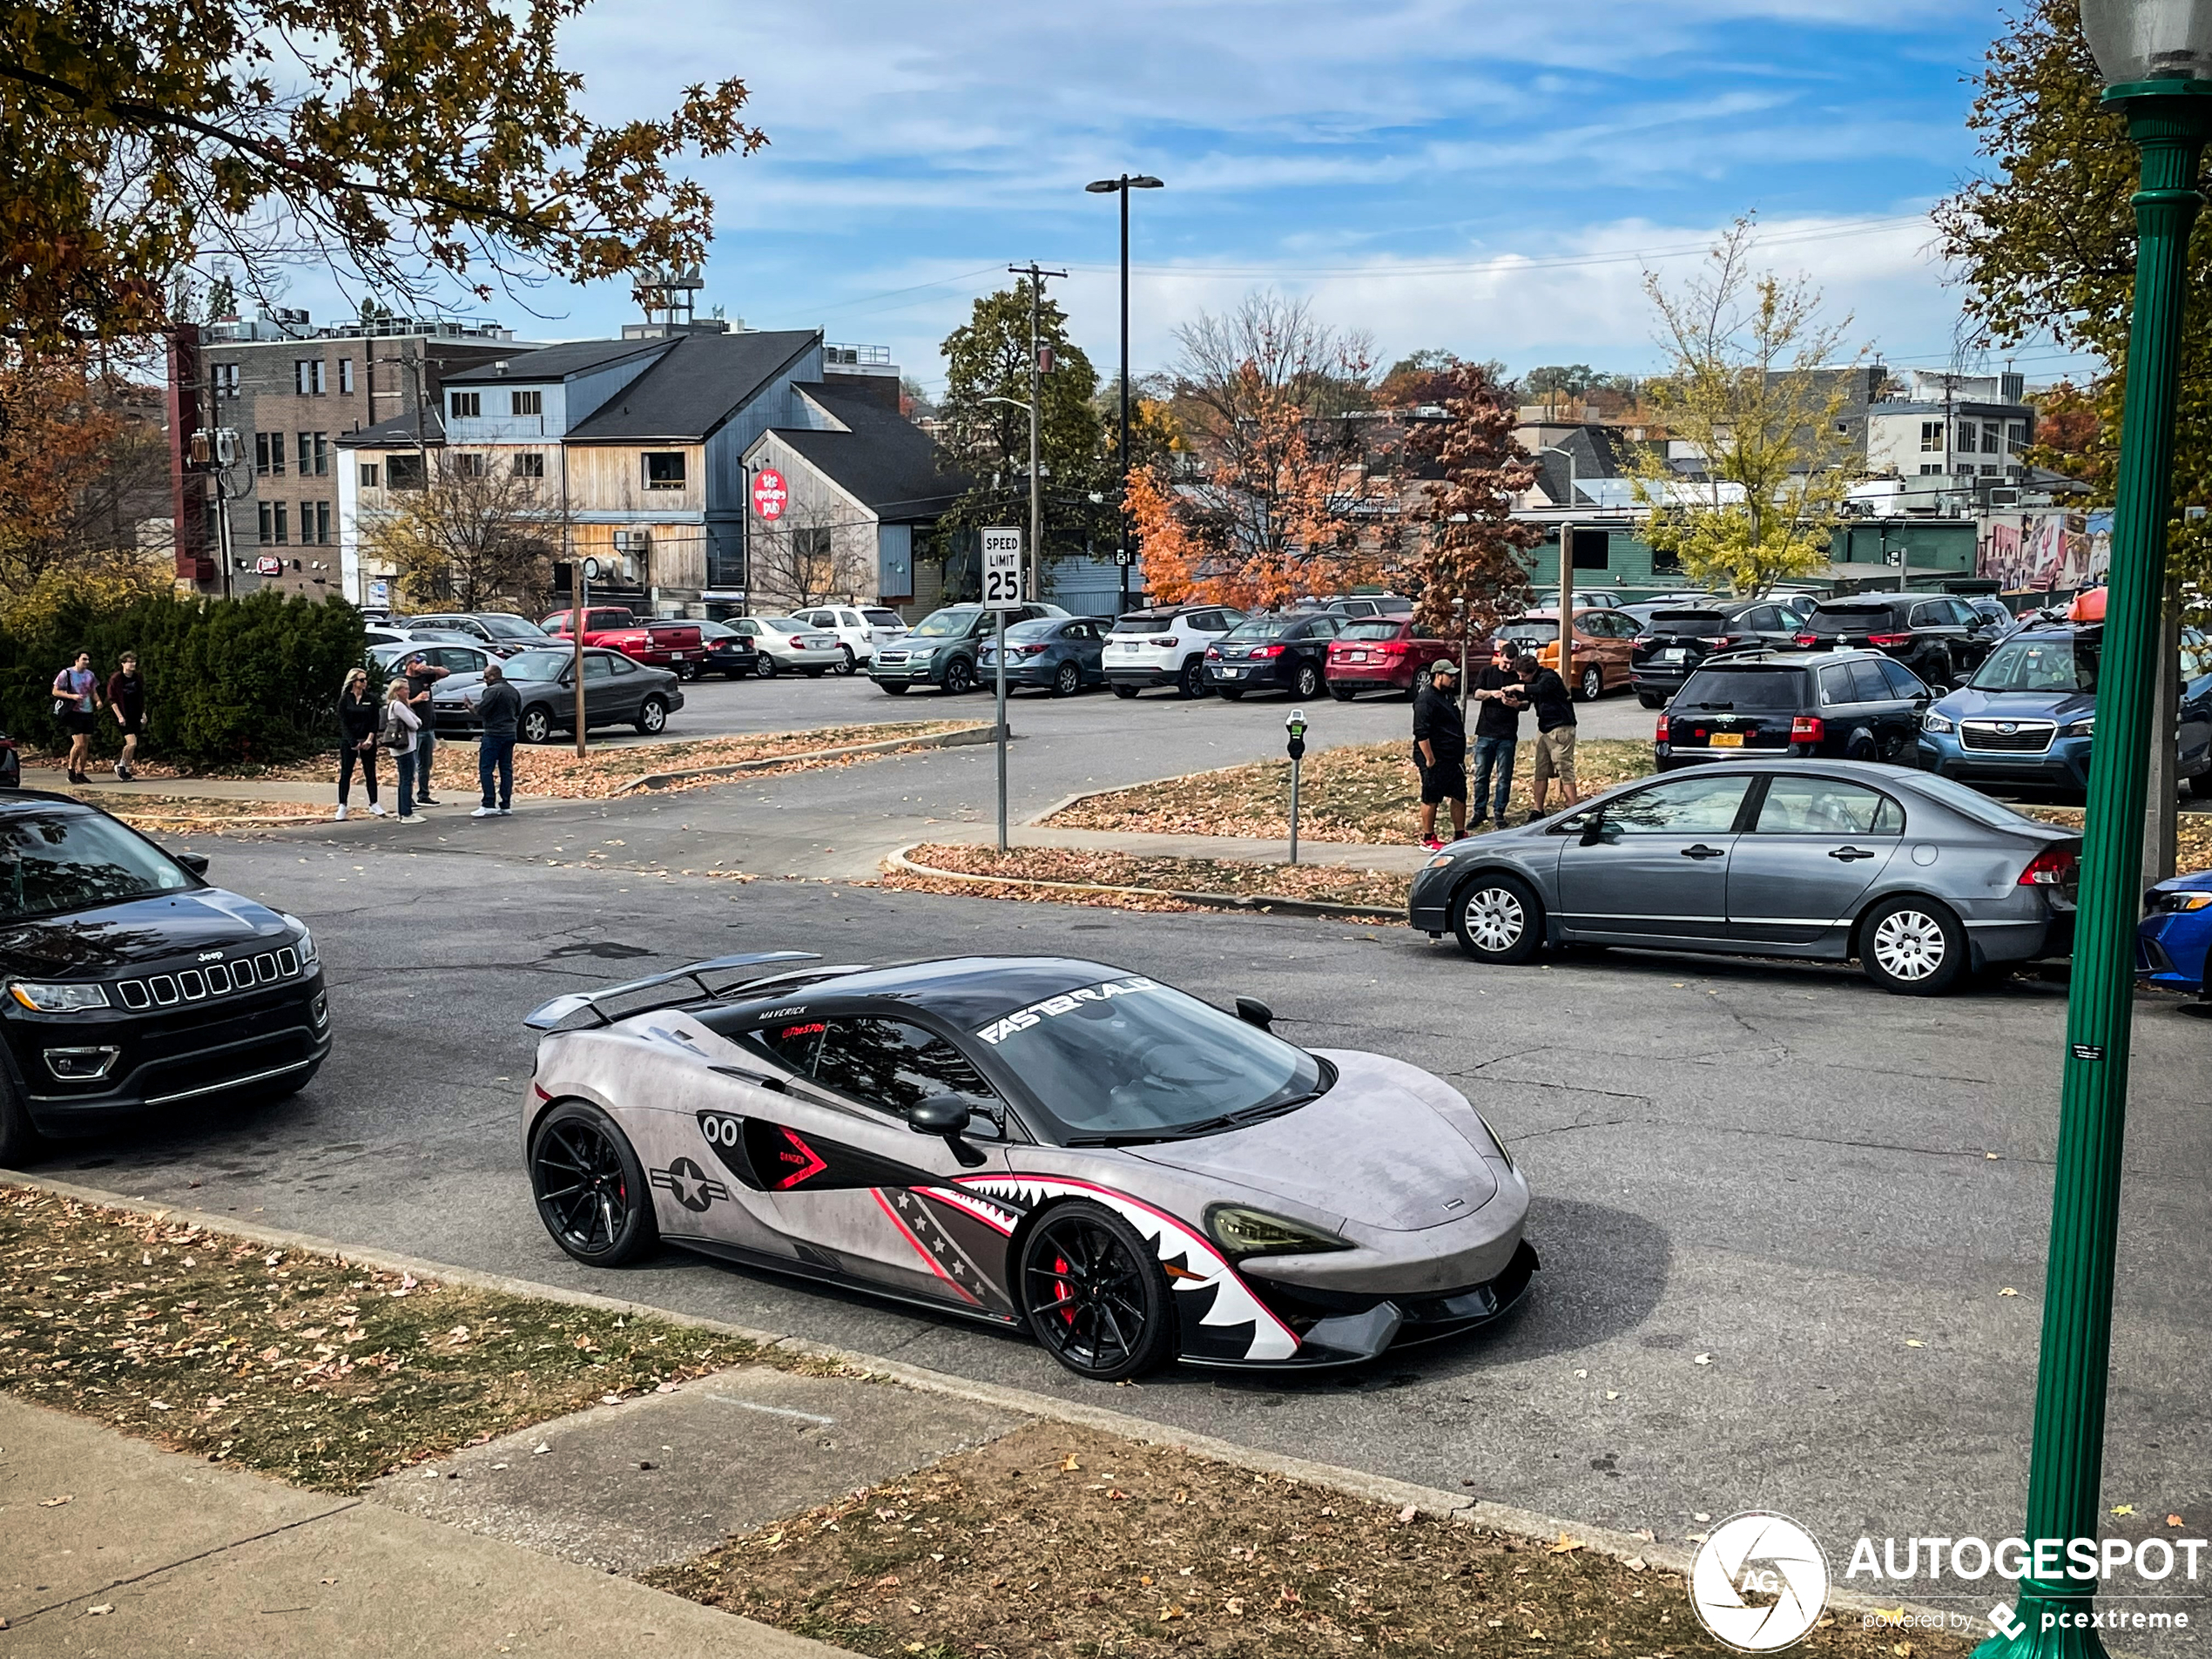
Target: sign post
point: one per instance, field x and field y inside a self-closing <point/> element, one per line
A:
<point x="1001" y="593"/>
<point x="1295" y="725"/>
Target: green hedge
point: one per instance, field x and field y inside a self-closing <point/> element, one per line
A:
<point x="228" y="681"/>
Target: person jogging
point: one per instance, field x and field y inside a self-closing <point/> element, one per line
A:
<point x="77" y="702"/>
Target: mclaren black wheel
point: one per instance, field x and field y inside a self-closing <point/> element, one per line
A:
<point x="592" y="1193"/>
<point x="1094" y="1294"/>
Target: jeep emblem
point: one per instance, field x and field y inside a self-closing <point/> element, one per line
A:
<point x="211" y="956"/>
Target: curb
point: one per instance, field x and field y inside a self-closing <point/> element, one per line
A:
<point x="960" y="738"/>
<point x="1262" y="903"/>
<point x="1433" y="1501"/>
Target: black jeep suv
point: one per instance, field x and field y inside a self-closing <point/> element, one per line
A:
<point x="132" y="985"/>
<point x="1940" y="638"/>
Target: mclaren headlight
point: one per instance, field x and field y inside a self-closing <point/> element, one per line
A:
<point x="58" y="999"/>
<point x="1242" y="1231"/>
<point x="1498" y="1141"/>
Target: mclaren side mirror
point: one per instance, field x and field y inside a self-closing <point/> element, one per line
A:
<point x="1253" y="1011"/>
<point x="946" y="1115"/>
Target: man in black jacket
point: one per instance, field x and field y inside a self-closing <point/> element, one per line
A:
<point x="1554" y="709"/>
<point x="1441" y="752"/>
<point x="1498" y="688"/>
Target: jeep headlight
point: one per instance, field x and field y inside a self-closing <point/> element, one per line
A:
<point x="58" y="999"/>
<point x="1931" y="721"/>
<point x="1254" y="1232"/>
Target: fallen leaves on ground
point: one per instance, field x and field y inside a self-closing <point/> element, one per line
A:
<point x="1009" y="1553"/>
<point x="321" y="1371"/>
<point x="1325" y="883"/>
<point x="1365" y="792"/>
<point x="2192" y="838"/>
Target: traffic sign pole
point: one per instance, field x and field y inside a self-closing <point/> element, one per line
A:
<point x="1001" y="593"/>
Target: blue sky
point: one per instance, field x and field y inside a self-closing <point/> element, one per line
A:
<point x="1488" y="177"/>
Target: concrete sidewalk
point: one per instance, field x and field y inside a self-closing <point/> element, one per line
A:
<point x="115" y="1548"/>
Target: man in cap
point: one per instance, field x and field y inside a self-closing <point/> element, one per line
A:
<point x="1441" y="750"/>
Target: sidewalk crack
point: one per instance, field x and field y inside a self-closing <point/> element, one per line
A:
<point x="187" y="1560"/>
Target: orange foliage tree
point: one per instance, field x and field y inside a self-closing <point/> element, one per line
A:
<point x="1471" y="561"/>
<point x="72" y="458"/>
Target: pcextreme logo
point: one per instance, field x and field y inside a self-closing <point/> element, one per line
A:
<point x="1758" y="1581"/>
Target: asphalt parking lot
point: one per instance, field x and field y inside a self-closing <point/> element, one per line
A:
<point x="1778" y="1211"/>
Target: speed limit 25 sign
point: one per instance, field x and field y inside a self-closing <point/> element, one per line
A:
<point x="1002" y="569"/>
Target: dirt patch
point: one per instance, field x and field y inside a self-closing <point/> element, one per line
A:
<point x="1057" y="1540"/>
<point x="187" y="814"/>
<point x="325" y="1374"/>
<point x="1361" y="793"/>
<point x="1238" y="878"/>
<point x="553" y="768"/>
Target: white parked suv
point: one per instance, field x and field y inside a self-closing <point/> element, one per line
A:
<point x="851" y="627"/>
<point x="1165" y="646"/>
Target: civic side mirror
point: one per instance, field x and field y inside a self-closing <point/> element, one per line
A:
<point x="1594" y="830"/>
<point x="196" y="862"/>
<point x="1253" y="1011"/>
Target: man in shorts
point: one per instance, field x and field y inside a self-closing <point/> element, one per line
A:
<point x="1441" y="752"/>
<point x="127" y="700"/>
<point x="1555" y="707"/>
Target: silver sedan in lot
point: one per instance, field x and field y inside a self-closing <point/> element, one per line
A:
<point x="1919" y="878"/>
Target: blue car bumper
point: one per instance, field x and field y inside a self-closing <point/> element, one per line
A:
<point x="2171" y="949"/>
<point x="2065" y="766"/>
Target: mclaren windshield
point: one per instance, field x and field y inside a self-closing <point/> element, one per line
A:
<point x="1129" y="1060"/>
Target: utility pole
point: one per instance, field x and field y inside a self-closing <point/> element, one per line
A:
<point x="1037" y="275"/>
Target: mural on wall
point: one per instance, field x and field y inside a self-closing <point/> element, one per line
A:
<point x="2041" y="552"/>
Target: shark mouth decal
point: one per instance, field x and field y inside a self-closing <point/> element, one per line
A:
<point x="1193" y="1263"/>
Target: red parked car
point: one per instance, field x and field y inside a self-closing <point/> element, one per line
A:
<point x="1384" y="654"/>
<point x="674" y="645"/>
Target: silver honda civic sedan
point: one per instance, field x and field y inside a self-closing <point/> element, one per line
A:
<point x="1922" y="879"/>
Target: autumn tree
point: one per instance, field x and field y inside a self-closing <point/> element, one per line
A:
<point x="1427" y="377"/>
<point x="409" y="143"/>
<point x="477" y="536"/>
<point x="1268" y="505"/>
<point x="82" y="460"/>
<point x="802" y="560"/>
<point x="984" y="429"/>
<point x="1471" y="567"/>
<point x="1754" y="387"/>
<point x="2045" y="238"/>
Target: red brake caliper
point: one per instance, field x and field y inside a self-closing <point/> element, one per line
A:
<point x="1065" y="1293"/>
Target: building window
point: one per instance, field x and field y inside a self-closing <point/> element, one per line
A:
<point x="1989" y="469"/>
<point x="323" y="522"/>
<point x="1931" y="437"/>
<point x="2016" y="433"/>
<point x="1931" y="470"/>
<point x="306" y="376"/>
<point x="528" y="463"/>
<point x="306" y="453"/>
<point x="262" y="454"/>
<point x="268" y="524"/>
<point x="227" y="380"/>
<point x="468" y="466"/>
<point x="663" y="469"/>
<point x="282" y="534"/>
<point x="345" y="376"/>
<point x="1992" y="438"/>
<point x="322" y="453"/>
<point x="529" y="402"/>
<point x="465" y="406"/>
<point x="276" y="454"/>
<point x="371" y="473"/>
<point x="403" y="472"/>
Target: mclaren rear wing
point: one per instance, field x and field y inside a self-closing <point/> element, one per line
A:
<point x="550" y="1015"/>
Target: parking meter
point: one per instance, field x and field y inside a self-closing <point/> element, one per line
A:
<point x="1295" y="725"/>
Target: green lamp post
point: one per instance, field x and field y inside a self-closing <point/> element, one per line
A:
<point x="2156" y="59"/>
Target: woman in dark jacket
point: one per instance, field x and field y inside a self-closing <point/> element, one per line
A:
<point x="358" y="713"/>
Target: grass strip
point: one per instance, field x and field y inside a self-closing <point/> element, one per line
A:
<point x="1236" y="877"/>
<point x="1057" y="1540"/>
<point x="1366" y="791"/>
<point x="305" y="1366"/>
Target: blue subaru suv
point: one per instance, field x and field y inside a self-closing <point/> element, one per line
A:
<point x="2029" y="713"/>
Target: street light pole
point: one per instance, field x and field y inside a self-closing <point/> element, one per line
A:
<point x="1566" y="573"/>
<point x="2153" y="54"/>
<point x="1121" y="187"/>
<point x="1037" y="275"/>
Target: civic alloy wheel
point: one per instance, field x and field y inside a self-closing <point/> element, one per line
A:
<point x="1912" y="946"/>
<point x="1498" y="920"/>
<point x="1094" y="1294"/>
